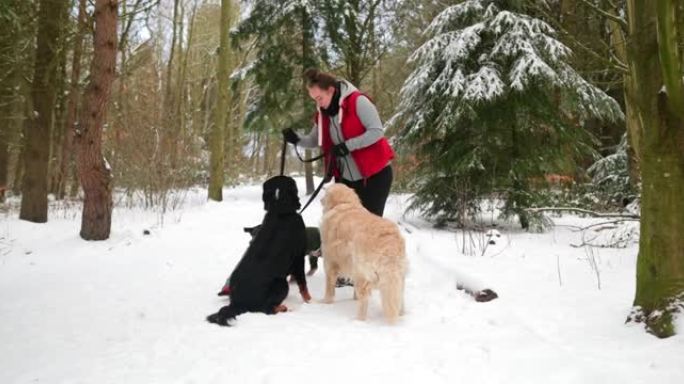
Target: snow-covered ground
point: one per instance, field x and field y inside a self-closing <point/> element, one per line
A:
<point x="131" y="309"/>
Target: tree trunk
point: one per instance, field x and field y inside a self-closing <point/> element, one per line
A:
<point x="93" y="169"/>
<point x="634" y="129"/>
<point x="72" y="107"/>
<point x="267" y="154"/>
<point x="34" y="204"/>
<point x="353" y="53"/>
<point x="7" y="96"/>
<point x="232" y="152"/>
<point x="181" y="91"/>
<point x="216" y="157"/>
<point x="58" y="126"/>
<point x="170" y="123"/>
<point x="20" y="167"/>
<point x="307" y="61"/>
<point x="5" y="129"/>
<point x="660" y="266"/>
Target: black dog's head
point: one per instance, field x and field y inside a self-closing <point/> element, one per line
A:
<point x="280" y="195"/>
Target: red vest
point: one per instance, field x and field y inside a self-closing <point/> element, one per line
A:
<point x="371" y="159"/>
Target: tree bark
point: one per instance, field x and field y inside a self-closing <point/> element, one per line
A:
<point x="216" y="157"/>
<point x="94" y="172"/>
<point x="169" y="137"/>
<point x="34" y="204"/>
<point x="5" y="129"/>
<point x="58" y="127"/>
<point x="660" y="265"/>
<point x="72" y="107"/>
<point x="307" y="61"/>
<point x="634" y="130"/>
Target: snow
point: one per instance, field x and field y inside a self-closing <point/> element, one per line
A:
<point x="131" y="309"/>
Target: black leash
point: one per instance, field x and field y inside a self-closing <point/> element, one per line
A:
<point x="308" y="160"/>
<point x="328" y="174"/>
<point x="326" y="178"/>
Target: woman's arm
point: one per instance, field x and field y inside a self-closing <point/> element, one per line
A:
<point x="309" y="140"/>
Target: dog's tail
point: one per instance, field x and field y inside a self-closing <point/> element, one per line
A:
<point x="392" y="294"/>
<point x="225" y="314"/>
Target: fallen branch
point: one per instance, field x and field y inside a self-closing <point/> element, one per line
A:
<point x="624" y="216"/>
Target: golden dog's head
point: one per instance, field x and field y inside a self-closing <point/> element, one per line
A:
<point x="338" y="194"/>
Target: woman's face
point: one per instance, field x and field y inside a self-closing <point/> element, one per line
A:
<point x="322" y="97"/>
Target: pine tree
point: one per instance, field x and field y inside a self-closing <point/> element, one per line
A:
<point x="292" y="35"/>
<point x="610" y="177"/>
<point x="491" y="106"/>
<point x="283" y="33"/>
<point x="355" y="30"/>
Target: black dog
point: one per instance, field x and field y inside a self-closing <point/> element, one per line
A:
<point x="313" y="245"/>
<point x="259" y="281"/>
<point x="313" y="250"/>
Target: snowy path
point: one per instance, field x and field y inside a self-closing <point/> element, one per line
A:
<point x="131" y="310"/>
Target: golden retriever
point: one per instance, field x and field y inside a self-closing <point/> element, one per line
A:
<point x="365" y="247"/>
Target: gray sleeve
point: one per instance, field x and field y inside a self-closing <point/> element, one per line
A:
<point x="370" y="119"/>
<point x="309" y="140"/>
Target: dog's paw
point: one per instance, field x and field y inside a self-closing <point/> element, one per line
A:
<point x="306" y="296"/>
<point x="279" y="309"/>
<point x="217" y="319"/>
<point x="327" y="300"/>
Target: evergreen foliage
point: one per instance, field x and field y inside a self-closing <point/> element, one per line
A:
<point x="491" y="107"/>
<point x="282" y="36"/>
<point x="610" y="177"/>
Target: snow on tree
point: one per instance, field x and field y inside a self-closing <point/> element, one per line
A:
<point x="610" y="176"/>
<point x="492" y="104"/>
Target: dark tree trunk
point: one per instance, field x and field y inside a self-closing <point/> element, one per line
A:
<point x="34" y="204"/>
<point x="66" y="158"/>
<point x="4" y="150"/>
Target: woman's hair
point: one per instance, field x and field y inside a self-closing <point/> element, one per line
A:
<point x="320" y="79"/>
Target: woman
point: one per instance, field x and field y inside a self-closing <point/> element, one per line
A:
<point x="348" y="129"/>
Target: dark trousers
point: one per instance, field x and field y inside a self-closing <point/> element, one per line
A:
<point x="374" y="190"/>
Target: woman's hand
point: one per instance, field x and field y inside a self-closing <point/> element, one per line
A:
<point x="340" y="150"/>
<point x="290" y="136"/>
